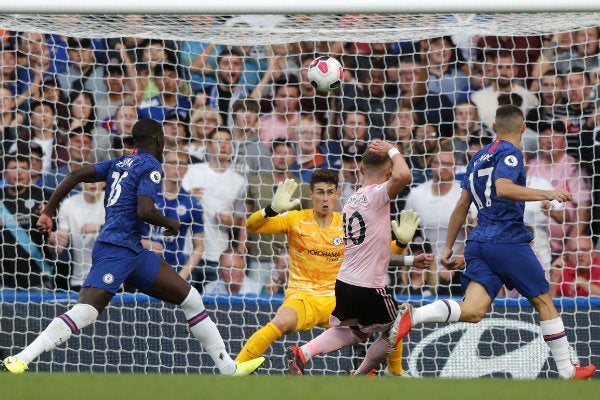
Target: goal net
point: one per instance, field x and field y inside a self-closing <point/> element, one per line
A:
<point x="72" y="85"/>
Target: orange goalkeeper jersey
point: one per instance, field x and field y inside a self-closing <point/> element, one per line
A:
<point x="315" y="254"/>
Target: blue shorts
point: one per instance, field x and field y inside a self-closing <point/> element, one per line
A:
<point x="512" y="264"/>
<point x="112" y="265"/>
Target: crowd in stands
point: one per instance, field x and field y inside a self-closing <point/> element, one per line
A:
<point x="238" y="120"/>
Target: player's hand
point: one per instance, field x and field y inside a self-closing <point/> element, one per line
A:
<point x="423" y="260"/>
<point x="380" y="147"/>
<point x="448" y="261"/>
<point x="173" y="228"/>
<point x="409" y="222"/>
<point x="282" y="199"/>
<point x="45" y="224"/>
<point x="560" y="195"/>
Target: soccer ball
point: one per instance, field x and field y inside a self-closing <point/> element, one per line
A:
<point x="325" y="73"/>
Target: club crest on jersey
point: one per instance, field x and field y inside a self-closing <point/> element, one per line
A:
<point x="337" y="241"/>
<point x="181" y="210"/>
<point x="108" y="278"/>
<point x="155" y="176"/>
<point x="511" y="161"/>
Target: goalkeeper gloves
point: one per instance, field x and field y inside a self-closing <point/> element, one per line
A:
<point x="409" y="222"/>
<point x="282" y="199"/>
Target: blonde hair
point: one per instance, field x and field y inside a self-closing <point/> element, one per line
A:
<point x="200" y="113"/>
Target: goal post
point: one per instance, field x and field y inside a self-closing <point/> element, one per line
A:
<point x="395" y="54"/>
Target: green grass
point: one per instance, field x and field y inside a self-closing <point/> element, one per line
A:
<point x="204" y="387"/>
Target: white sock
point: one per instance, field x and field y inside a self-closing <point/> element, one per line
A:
<point x="555" y="337"/>
<point x="59" y="331"/>
<point x="205" y="330"/>
<point x="438" y="311"/>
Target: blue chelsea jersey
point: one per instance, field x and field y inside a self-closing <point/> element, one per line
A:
<point x="127" y="177"/>
<point x="499" y="220"/>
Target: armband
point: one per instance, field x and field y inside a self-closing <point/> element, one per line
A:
<point x="268" y="212"/>
<point x="409" y="261"/>
<point x="392" y="152"/>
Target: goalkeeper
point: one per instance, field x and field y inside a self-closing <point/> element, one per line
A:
<point x="316" y="249"/>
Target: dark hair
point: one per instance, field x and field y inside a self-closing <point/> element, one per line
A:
<point x="16" y="158"/>
<point x="36" y="103"/>
<point x="480" y="140"/>
<point x="114" y="69"/>
<point x="219" y="129"/>
<point x="229" y="52"/>
<point x="160" y="69"/>
<point x="324" y="175"/>
<point x="245" y="104"/>
<point x="145" y="130"/>
<point x="555" y="126"/>
<point x="281" y="141"/>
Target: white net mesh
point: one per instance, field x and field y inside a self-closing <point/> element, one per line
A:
<point x="73" y="85"/>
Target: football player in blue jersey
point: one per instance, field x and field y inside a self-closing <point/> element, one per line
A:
<point x="498" y="250"/>
<point x="132" y="182"/>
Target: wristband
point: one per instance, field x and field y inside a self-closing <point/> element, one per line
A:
<point x="392" y="152"/>
<point x="268" y="212"/>
<point x="409" y="261"/>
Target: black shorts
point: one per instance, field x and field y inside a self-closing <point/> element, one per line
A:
<point x="369" y="309"/>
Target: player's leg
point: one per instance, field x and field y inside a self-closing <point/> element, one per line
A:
<point x="92" y="301"/>
<point x="284" y="322"/>
<point x="394" y="360"/>
<point x="376" y="354"/>
<point x="554" y="334"/>
<point x="158" y="279"/>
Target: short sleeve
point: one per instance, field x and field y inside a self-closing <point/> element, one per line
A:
<point x="150" y="181"/>
<point x="102" y="169"/>
<point x="509" y="165"/>
<point x="197" y="216"/>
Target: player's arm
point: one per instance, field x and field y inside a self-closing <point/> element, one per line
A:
<point x="147" y="211"/>
<point x="400" y="176"/>
<point x="421" y="261"/>
<point x="507" y="189"/>
<point x="455" y="225"/>
<point x="282" y="201"/>
<point x="84" y="174"/>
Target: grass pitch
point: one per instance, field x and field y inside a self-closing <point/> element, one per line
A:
<point x="64" y="386"/>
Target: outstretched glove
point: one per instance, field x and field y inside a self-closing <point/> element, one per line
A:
<point x="282" y="199"/>
<point x="409" y="222"/>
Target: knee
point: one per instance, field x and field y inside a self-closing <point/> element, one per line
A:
<point x="472" y="315"/>
<point x="285" y="325"/>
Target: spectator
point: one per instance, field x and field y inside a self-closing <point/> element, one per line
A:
<point x="367" y="95"/>
<point x="176" y="132"/>
<point x="177" y="203"/>
<point x="525" y="50"/>
<point x="233" y="279"/>
<point x="310" y="153"/>
<point x="400" y="129"/>
<point x="82" y="111"/>
<point x="466" y="125"/>
<point x="34" y="152"/>
<point x="229" y="87"/>
<point x="442" y="61"/>
<point x="585" y="51"/>
<point x="223" y="204"/>
<point x="552" y="97"/>
<point x="116" y="128"/>
<point x="504" y="73"/>
<point x="204" y="121"/>
<point x="433" y="201"/>
<point x="286" y="101"/>
<point x="251" y="156"/>
<point x="167" y="101"/>
<point x="278" y="280"/>
<point x="563" y="171"/>
<point x="119" y="88"/>
<point x="580" y="274"/>
<point x="80" y="152"/>
<point x="201" y="61"/>
<point x="429" y="108"/>
<point x="8" y="120"/>
<point x="80" y="218"/>
<point x="24" y="257"/>
<point x="43" y="131"/>
<point x="82" y="71"/>
<point x="426" y="144"/>
<point x="354" y="137"/>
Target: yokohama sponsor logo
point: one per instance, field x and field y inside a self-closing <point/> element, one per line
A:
<point x="320" y="253"/>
